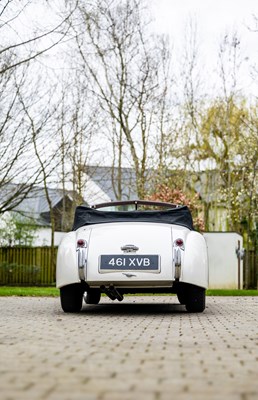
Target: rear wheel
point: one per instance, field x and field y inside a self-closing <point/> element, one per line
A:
<point x="181" y="297"/>
<point x="71" y="297"/>
<point x="93" y="296"/>
<point x="195" y="299"/>
<point x="182" y="290"/>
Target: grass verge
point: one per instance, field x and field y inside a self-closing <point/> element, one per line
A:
<point x="36" y="291"/>
<point x="232" y="292"/>
<point x="33" y="291"/>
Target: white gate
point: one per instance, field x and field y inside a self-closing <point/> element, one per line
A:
<point x="225" y="254"/>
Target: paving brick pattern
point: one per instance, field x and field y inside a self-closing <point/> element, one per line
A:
<point x="143" y="348"/>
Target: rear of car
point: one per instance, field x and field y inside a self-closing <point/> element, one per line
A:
<point x="140" y="251"/>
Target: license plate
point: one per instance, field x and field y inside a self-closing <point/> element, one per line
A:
<point x="129" y="262"/>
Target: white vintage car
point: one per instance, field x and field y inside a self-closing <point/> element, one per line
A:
<point x="116" y="250"/>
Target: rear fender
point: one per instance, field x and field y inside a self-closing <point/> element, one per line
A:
<point x="67" y="265"/>
<point x="194" y="268"/>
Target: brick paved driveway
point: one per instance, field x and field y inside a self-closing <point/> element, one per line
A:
<point x="142" y="348"/>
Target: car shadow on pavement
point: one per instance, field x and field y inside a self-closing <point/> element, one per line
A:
<point x="136" y="309"/>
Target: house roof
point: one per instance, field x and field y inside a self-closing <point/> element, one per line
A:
<point x="106" y="179"/>
<point x="101" y="186"/>
<point x="35" y="204"/>
<point x="93" y="193"/>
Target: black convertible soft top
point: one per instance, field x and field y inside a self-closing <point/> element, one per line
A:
<point x="89" y="216"/>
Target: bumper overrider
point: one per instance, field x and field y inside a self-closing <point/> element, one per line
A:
<point x="81" y="251"/>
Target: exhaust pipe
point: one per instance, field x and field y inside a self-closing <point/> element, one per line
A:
<point x="112" y="293"/>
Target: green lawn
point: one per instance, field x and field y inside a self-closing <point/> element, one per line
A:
<point x="28" y="291"/>
<point x="53" y="292"/>
<point x="230" y="292"/>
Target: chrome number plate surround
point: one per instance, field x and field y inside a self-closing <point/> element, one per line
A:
<point x="129" y="262"/>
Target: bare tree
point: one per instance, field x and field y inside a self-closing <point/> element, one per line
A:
<point x="229" y="65"/>
<point x="40" y="126"/>
<point x="16" y="47"/>
<point x="117" y="54"/>
<point x="185" y="131"/>
<point x="16" y="167"/>
<point x="76" y="126"/>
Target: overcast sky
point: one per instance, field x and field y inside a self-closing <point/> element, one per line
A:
<point x="213" y="19"/>
<point x="212" y="16"/>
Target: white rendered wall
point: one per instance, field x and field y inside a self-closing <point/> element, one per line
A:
<point x="43" y="237"/>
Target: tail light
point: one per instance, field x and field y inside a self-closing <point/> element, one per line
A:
<point x="81" y="243"/>
<point x="179" y="243"/>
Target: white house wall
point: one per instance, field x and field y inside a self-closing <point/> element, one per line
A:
<point x="43" y="237"/>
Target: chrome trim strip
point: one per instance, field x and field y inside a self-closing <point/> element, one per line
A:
<point x="82" y="261"/>
<point x="135" y="203"/>
<point x="177" y="262"/>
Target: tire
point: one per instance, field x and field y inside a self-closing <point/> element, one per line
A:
<point x="71" y="298"/>
<point x="181" y="297"/>
<point x="93" y="296"/>
<point x="181" y="292"/>
<point x="195" y="300"/>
